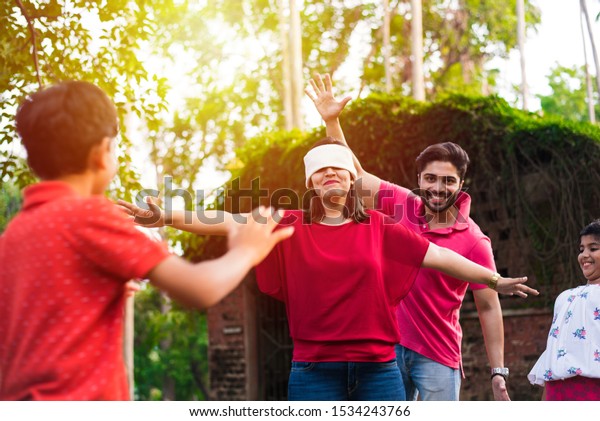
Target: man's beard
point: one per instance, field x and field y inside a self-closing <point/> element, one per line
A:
<point x="450" y="200"/>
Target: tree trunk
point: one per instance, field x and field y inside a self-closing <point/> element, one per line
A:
<point x="168" y="386"/>
<point x="296" y="62"/>
<point x="197" y="375"/>
<point x="593" y="44"/>
<point x="128" y="325"/>
<point x="386" y="46"/>
<point x="588" y="79"/>
<point x="128" y="335"/>
<point x="286" y="67"/>
<point x="521" y="43"/>
<point x="418" y="79"/>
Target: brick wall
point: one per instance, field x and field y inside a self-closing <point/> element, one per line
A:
<point x="232" y="346"/>
<point x="525" y="333"/>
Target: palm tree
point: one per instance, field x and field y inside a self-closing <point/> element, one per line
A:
<point x="588" y="80"/>
<point x="386" y="46"/>
<point x="418" y="79"/>
<point x="291" y="52"/>
<point x="286" y="78"/>
<point x="521" y="43"/>
<point x="584" y="10"/>
<point x="296" y="62"/>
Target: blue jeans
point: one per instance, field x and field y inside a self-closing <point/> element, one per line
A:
<point x="345" y="381"/>
<point x="426" y="378"/>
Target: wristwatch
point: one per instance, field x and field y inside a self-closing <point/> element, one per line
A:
<point x="500" y="371"/>
<point x="493" y="284"/>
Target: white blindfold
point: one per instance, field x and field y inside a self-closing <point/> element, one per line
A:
<point x="335" y="156"/>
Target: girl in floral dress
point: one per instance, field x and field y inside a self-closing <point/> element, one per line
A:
<point x="569" y="368"/>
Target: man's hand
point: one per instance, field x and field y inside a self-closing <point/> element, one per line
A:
<point x="499" y="388"/>
<point x="326" y="104"/>
<point x="153" y="217"/>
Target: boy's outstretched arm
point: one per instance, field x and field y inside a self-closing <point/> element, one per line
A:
<point x="330" y="109"/>
<point x="202" y="222"/>
<point x="206" y="283"/>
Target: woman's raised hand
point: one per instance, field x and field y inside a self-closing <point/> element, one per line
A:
<point x="322" y="96"/>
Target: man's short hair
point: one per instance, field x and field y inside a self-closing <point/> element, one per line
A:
<point x="59" y="125"/>
<point x="445" y="152"/>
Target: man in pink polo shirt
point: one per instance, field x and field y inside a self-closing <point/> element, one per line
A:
<point x="429" y="353"/>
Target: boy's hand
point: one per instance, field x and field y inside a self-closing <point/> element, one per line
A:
<point x="131" y="287"/>
<point x="326" y="104"/>
<point x="514" y="286"/>
<point x="257" y="237"/>
<point x="153" y="217"/>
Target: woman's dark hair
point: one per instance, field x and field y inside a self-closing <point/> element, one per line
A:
<point x="445" y="152"/>
<point x="592" y="229"/>
<point x="59" y="126"/>
<point x="354" y="208"/>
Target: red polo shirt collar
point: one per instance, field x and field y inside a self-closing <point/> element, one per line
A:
<point x="44" y="192"/>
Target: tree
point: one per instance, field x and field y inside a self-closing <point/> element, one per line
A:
<point x="386" y="46"/>
<point x="416" y="24"/>
<point x="10" y="203"/>
<point x="460" y="37"/>
<point x="588" y="78"/>
<point x="568" y="98"/>
<point x="521" y="43"/>
<point x="93" y="40"/>
<point x="586" y="15"/>
<point x="185" y="359"/>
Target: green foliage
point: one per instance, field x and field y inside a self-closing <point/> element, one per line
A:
<point x="159" y="352"/>
<point x="569" y="94"/>
<point x="460" y="37"/>
<point x="10" y="203"/>
<point x="96" y="41"/>
<point x="533" y="179"/>
<point x="326" y="30"/>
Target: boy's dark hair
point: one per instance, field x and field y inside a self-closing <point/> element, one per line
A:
<point x="59" y="126"/>
<point x="445" y="152"/>
<point x="592" y="229"/>
<point x="354" y="207"/>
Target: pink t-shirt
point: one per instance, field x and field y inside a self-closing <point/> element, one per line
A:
<point x="428" y="317"/>
<point x="64" y="261"/>
<point x="340" y="285"/>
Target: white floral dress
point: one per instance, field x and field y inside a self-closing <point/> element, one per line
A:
<point x="573" y="346"/>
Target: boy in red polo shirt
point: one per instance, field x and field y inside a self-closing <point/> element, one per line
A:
<point x="67" y="255"/>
